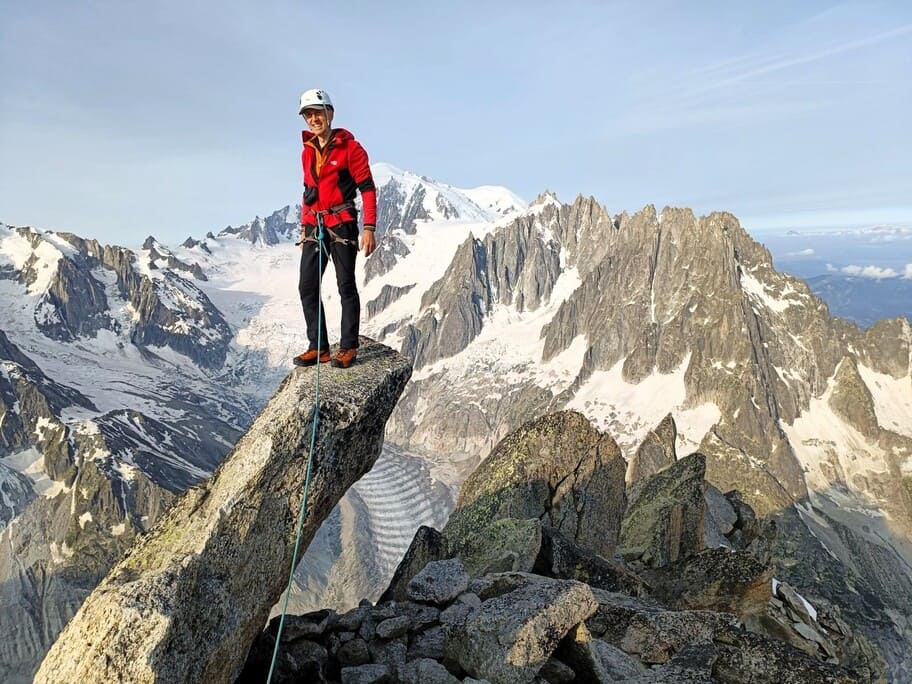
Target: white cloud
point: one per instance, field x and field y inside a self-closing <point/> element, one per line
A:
<point x="804" y="252"/>
<point x="907" y="274"/>
<point x="832" y="269"/>
<point x="873" y="272"/>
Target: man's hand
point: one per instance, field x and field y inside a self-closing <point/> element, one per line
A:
<point x="303" y="235"/>
<point x="368" y="242"/>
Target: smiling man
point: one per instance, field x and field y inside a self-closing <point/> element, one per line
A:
<point x="335" y="168"/>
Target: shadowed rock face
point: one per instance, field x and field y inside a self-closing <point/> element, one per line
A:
<point x="389" y="250"/>
<point x="557" y="468"/>
<point x="397" y="208"/>
<point x="189" y="598"/>
<point x="851" y="400"/>
<point x="717" y="579"/>
<point x="29" y="398"/>
<point x="388" y="295"/>
<point x="666" y="521"/>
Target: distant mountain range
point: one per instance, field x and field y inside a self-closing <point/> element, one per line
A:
<point x="864" y="300"/>
<point x="864" y="275"/>
<point x="127" y="375"/>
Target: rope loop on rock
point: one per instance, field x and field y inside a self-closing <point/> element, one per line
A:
<point x="313" y="438"/>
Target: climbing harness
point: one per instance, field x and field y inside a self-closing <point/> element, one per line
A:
<point x="313" y="438"/>
<point x="333" y="235"/>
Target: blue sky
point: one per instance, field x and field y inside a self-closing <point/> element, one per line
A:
<point x="123" y="119"/>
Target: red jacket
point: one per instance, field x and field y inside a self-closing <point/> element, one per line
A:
<point x="337" y="172"/>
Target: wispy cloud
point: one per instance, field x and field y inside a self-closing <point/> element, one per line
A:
<point x="785" y="62"/>
<point x="804" y="252"/>
<point x="907" y="274"/>
<point x="770" y="85"/>
<point x="735" y="65"/>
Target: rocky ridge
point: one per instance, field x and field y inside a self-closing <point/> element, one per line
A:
<point x="526" y="599"/>
<point x="280" y="226"/>
<point x="188" y="597"/>
<point x="74" y="279"/>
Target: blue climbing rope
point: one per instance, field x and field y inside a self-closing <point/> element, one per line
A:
<point x="321" y="247"/>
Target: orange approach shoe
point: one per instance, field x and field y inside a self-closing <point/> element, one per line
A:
<point x="344" y="358"/>
<point x="309" y="358"/>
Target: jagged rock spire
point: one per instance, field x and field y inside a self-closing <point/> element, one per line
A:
<point x="189" y="598"/>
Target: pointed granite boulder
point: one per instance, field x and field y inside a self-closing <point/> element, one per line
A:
<point x="557" y="468"/>
<point x="656" y="453"/>
<point x="665" y="522"/>
<point x="189" y="598"/>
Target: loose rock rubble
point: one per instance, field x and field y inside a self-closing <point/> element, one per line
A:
<point x="505" y="599"/>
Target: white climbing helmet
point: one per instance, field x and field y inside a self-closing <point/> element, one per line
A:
<point x="314" y="98"/>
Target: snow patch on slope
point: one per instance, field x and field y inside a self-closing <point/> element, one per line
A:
<point x="759" y="293"/>
<point x="259" y="296"/>
<point x="17" y="251"/>
<point x="609" y="401"/>
<point x="30" y="462"/>
<point x="892" y="399"/>
<point x="496" y="199"/>
<point x="510" y="346"/>
<point x="837" y="458"/>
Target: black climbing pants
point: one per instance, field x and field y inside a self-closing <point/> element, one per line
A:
<point x="343" y="256"/>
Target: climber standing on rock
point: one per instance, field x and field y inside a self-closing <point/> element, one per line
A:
<point x="335" y="167"/>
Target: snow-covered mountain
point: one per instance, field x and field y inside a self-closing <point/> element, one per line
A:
<point x="406" y="198"/>
<point x="113" y="397"/>
<point x="148" y="362"/>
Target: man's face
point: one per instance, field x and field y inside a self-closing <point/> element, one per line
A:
<point x="318" y="120"/>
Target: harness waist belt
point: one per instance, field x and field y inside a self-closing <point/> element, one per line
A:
<point x="338" y="209"/>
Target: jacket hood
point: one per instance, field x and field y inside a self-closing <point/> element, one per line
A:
<point x="339" y="135"/>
